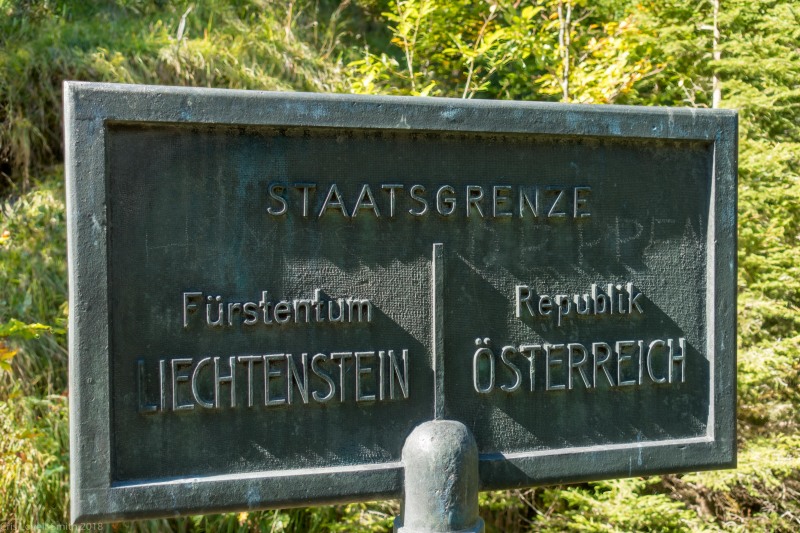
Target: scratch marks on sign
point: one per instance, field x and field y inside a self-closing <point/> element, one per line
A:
<point x="451" y="114"/>
<point x="262" y="450"/>
<point x="632" y="230"/>
<point x="253" y="496"/>
<point x="500" y="278"/>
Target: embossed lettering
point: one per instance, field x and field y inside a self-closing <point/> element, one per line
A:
<point x="494" y="201"/>
<point x="177" y="377"/>
<point x="250" y="360"/>
<point x="293" y="376"/>
<point x="229" y="380"/>
<point x="219" y="320"/>
<point x="144" y="407"/>
<point x="281" y="372"/>
<point x="305" y="188"/>
<point x="474" y="197"/>
<point x="573" y="363"/>
<point x="188" y="306"/>
<point x="445" y="205"/>
<point x="269" y="375"/>
<point x="483" y="358"/>
<point x="501" y="198"/>
<point x="580" y="201"/>
<point x="557" y="203"/>
<point x="504" y="354"/>
<point x="196" y="389"/>
<point x="677" y="359"/>
<point x="342" y="357"/>
<point x="274" y="193"/>
<point x="391" y="188"/>
<point x="524" y="200"/>
<point x="398" y="374"/>
<point x="550" y="361"/>
<point x="523" y="295"/>
<point x="366" y="201"/>
<point x="531" y="350"/>
<point x="601" y="361"/>
<point x="324" y="376"/>
<point x="250" y="310"/>
<point x="622" y="357"/>
<point x="362" y="371"/>
<point x="415" y="193"/>
<point x="618" y="299"/>
<point x="333" y="201"/>
<point x="653" y="345"/>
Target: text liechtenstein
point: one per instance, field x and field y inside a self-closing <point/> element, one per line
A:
<point x="278" y="378"/>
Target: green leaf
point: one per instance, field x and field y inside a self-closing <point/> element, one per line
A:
<point x="530" y="11"/>
<point x="15" y="328"/>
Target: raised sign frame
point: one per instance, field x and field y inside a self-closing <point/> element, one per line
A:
<point x="91" y="107"/>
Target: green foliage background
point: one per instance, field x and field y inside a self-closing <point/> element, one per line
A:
<point x="645" y="52"/>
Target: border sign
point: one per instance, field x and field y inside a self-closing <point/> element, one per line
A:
<point x="269" y="291"/>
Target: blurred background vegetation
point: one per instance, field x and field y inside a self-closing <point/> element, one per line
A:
<point x="741" y="54"/>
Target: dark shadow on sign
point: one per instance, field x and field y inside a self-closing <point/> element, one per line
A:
<point x="524" y="419"/>
<point x="306" y="433"/>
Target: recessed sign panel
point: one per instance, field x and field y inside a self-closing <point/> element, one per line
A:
<point x="270" y="291"/>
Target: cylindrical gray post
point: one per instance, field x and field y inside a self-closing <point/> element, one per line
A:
<point x="440" y="459"/>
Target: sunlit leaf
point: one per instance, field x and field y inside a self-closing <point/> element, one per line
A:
<point x="18" y="329"/>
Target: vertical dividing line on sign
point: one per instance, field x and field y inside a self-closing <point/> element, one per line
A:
<point x="437" y="335"/>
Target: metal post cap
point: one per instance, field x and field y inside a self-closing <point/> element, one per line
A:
<point x="440" y="458"/>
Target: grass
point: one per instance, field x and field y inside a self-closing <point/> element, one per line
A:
<point x="244" y="44"/>
<point x="33" y="460"/>
<point x="33" y="275"/>
<point x="307" y="45"/>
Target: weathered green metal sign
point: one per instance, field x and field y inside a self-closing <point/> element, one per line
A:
<point x="269" y="292"/>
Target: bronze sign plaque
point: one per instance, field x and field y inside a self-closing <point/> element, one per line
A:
<point x="269" y="292"/>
